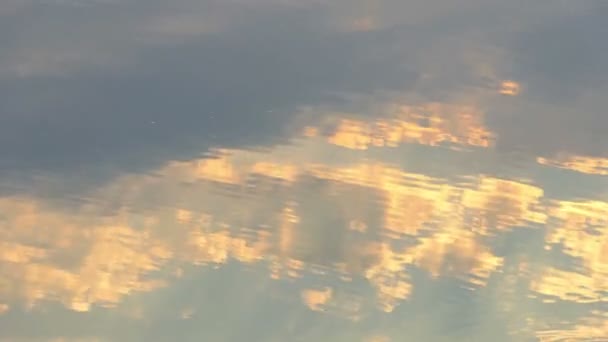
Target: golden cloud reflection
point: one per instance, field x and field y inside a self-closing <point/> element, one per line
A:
<point x="581" y="231"/>
<point x="295" y="211"/>
<point x="39" y="243"/>
<point x="511" y="88"/>
<point x="583" y="164"/>
<point x="429" y="124"/>
<point x="594" y="328"/>
<point x="118" y="257"/>
<point x="316" y="299"/>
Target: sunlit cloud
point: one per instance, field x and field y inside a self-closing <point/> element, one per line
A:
<point x="580" y="231"/>
<point x="115" y="257"/>
<point x="594" y="328"/>
<point x="511" y="88"/>
<point x="316" y="299"/>
<point x="583" y="164"/>
<point x="430" y="124"/>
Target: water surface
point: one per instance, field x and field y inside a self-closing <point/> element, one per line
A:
<point x="281" y="170"/>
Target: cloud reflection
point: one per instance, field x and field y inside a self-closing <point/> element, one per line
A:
<point x="358" y="220"/>
<point x="386" y="165"/>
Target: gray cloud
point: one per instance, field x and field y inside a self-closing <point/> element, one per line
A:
<point x="563" y="66"/>
<point x="233" y="87"/>
<point x="134" y="83"/>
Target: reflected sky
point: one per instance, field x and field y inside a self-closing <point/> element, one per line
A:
<point x="281" y="170"/>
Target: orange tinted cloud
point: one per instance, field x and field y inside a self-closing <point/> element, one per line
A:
<point x="594" y="328"/>
<point x="234" y="209"/>
<point x="582" y="230"/>
<point x="506" y="203"/>
<point x="511" y="88"/>
<point x="583" y="164"/>
<point x="113" y="259"/>
<point x="317" y="299"/>
<point x="430" y="124"/>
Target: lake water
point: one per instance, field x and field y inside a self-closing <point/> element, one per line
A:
<point x="283" y="170"/>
